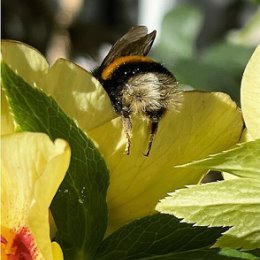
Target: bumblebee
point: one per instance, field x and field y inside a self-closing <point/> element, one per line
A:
<point x="136" y="84"/>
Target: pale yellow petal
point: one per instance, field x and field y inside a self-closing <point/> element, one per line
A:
<point x="246" y="136"/>
<point x="7" y="123"/>
<point x="32" y="170"/>
<point x="250" y="94"/>
<point x="208" y="123"/>
<point x="56" y="251"/>
<point x="53" y="227"/>
<point x="77" y="92"/>
<point x="25" y="60"/>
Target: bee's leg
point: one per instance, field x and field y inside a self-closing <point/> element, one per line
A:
<point x="127" y="126"/>
<point x="154" y="119"/>
<point x="154" y="127"/>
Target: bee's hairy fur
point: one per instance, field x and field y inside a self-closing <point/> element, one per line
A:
<point x="150" y="92"/>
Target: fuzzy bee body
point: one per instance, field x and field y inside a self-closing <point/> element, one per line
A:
<point x="136" y="84"/>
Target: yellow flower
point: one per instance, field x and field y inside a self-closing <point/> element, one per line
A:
<point x="207" y="123"/>
<point x="32" y="168"/>
<point x="250" y="92"/>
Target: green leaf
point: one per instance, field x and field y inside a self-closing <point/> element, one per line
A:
<point x="225" y="55"/>
<point x="180" y="29"/>
<point x="206" y="254"/>
<point x="217" y="68"/>
<point x="79" y="207"/>
<point x="235" y="254"/>
<point x="249" y="33"/>
<point x="227" y="203"/>
<point x="242" y="161"/>
<point x="160" y="237"/>
<point x="206" y="76"/>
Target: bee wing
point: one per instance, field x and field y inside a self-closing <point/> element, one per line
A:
<point x="136" y="41"/>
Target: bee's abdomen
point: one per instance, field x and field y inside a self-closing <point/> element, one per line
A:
<point x="141" y="85"/>
<point x="149" y="93"/>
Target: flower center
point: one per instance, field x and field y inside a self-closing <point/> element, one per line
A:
<point x="17" y="244"/>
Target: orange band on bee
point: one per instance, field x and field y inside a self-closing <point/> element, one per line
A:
<point x="107" y="72"/>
